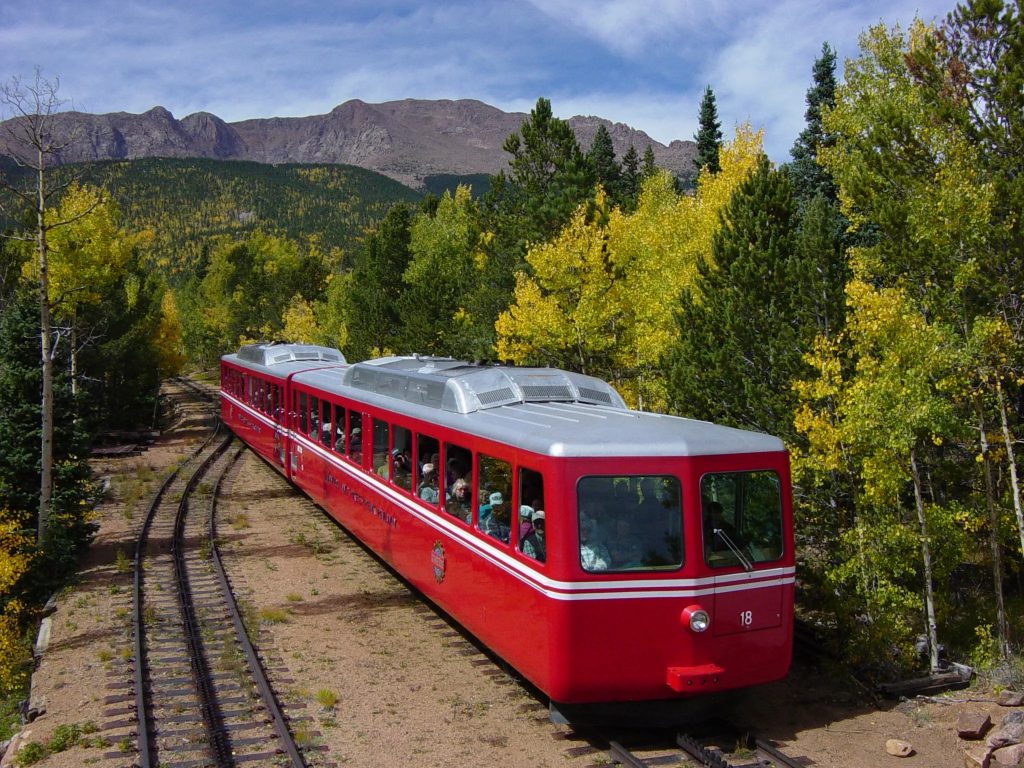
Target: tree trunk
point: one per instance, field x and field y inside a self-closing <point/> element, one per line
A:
<point x="926" y="558"/>
<point x="46" y="352"/>
<point x="1012" y="461"/>
<point x="1002" y="628"/>
<point x="73" y="352"/>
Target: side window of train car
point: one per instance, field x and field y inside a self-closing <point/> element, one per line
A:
<point x="532" y="525"/>
<point x="428" y="460"/>
<point x="381" y="457"/>
<point x="326" y="424"/>
<point x="338" y="437"/>
<point x="630" y="523"/>
<point x="401" y="458"/>
<point x="314" y="417"/>
<point x="742" y="518"/>
<point x="354" y="448"/>
<point x="458" y="482"/>
<point x="303" y="412"/>
<point x="494" y="489"/>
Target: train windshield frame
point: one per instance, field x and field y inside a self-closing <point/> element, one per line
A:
<point x="742" y="518"/>
<point x="630" y="523"/>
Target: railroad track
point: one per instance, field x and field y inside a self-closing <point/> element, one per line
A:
<point x="760" y="754"/>
<point x="201" y="695"/>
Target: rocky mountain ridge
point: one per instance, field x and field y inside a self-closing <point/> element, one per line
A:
<point x="408" y="140"/>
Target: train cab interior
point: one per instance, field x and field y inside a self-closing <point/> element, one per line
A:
<point x="742" y="518"/>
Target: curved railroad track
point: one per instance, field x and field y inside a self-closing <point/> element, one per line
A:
<point x="202" y="698"/>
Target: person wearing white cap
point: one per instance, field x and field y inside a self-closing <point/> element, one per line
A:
<point x="533" y="544"/>
<point x="494" y="517"/>
<point x="525" y="520"/>
<point x="428" y="484"/>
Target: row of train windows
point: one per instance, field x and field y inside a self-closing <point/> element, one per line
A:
<point x="264" y="396"/>
<point x="625" y="523"/>
<point x="504" y="505"/>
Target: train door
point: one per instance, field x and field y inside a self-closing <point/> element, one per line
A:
<point x="300" y="421"/>
<point x="278" y="413"/>
<point x="742" y="529"/>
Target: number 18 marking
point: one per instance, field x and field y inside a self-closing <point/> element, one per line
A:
<point x="746" y="618"/>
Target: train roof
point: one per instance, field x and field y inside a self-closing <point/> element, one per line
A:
<point x="280" y="359"/>
<point x="543" y="410"/>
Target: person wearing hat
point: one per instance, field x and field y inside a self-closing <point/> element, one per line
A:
<point x="428" y="484"/>
<point x="525" y="520"/>
<point x="533" y="544"/>
<point x="494" y="517"/>
<point x="458" y="502"/>
<point x="355" y="445"/>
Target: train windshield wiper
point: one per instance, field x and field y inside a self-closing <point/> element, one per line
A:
<point x="747" y="566"/>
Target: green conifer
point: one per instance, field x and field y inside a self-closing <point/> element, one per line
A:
<point x="709" y="136"/>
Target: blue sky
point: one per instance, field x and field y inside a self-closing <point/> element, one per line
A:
<point x="640" y="62"/>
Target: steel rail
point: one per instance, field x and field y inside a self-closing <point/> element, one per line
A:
<point x="255" y="666"/>
<point x="213" y="720"/>
<point x="142" y="737"/>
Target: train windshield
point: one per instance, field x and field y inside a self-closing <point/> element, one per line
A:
<point x="742" y="515"/>
<point x="630" y="523"/>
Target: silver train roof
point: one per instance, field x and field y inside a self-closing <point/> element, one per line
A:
<point x="543" y="410"/>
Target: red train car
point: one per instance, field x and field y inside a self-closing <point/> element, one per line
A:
<point x="608" y="555"/>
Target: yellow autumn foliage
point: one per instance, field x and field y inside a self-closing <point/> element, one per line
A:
<point x="16" y="554"/>
<point x="600" y="297"/>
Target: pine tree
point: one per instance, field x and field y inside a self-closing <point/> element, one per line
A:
<point x="739" y="343"/>
<point x="649" y="167"/>
<point x="375" y="287"/>
<point x="630" y="178"/>
<point x="709" y="136"/>
<point x="601" y="157"/>
<point x="808" y="177"/>
<point x="548" y="177"/>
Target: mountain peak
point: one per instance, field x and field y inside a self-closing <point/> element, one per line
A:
<point x="408" y="140"/>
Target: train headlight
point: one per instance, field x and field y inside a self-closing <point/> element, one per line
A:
<point x="696" y="618"/>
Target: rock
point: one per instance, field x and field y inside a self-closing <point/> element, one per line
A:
<point x="43" y="638"/>
<point x="1011" y="755"/>
<point x="973" y="725"/>
<point x="1013" y="717"/>
<point x="977" y="758"/>
<point x="1010" y="699"/>
<point x="12" y="748"/>
<point x="1005" y="735"/>
<point x="899" y="748"/>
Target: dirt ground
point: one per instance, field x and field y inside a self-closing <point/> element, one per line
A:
<point x="373" y="676"/>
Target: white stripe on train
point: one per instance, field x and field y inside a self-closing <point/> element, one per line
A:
<point x="557" y="590"/>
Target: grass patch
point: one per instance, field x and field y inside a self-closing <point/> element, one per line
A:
<point x="65" y="736"/>
<point x="273" y="615"/>
<point x="326" y="698"/>
<point x="293" y="597"/>
<point x="121" y="562"/>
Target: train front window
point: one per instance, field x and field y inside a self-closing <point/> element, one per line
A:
<point x="630" y="523"/>
<point x="742" y="517"/>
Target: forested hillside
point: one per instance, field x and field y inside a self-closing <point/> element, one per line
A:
<point x="184" y="202"/>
